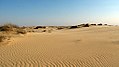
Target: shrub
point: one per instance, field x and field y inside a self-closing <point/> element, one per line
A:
<point x="72" y="27"/>
<point x="5" y="28"/>
<point x="21" y="31"/>
<point x="59" y="28"/>
<point x="40" y="27"/>
<point x="105" y="24"/>
<point x="11" y="25"/>
<point x="93" y="24"/>
<point x="100" y="24"/>
<point x="86" y="25"/>
<point x="8" y="27"/>
<point x="44" y="31"/>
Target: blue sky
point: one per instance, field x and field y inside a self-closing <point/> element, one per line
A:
<point x="59" y="12"/>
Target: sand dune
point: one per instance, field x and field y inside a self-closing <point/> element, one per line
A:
<point x="83" y="47"/>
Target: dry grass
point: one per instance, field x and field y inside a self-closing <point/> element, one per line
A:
<point x="8" y="27"/>
<point x="7" y="30"/>
<point x="21" y="31"/>
<point x="12" y="28"/>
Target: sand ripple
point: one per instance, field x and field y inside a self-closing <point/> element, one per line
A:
<point x="63" y="49"/>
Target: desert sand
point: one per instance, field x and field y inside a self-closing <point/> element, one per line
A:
<point x="83" y="47"/>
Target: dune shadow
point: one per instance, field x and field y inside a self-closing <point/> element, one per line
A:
<point x="115" y="42"/>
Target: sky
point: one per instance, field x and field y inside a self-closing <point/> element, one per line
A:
<point x="59" y="12"/>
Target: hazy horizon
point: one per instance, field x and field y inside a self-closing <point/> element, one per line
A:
<point x="59" y="12"/>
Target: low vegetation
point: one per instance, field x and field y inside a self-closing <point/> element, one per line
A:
<point x="72" y="27"/>
<point x="10" y="29"/>
<point x="21" y="31"/>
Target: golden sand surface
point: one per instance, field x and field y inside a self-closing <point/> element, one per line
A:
<point x="82" y="47"/>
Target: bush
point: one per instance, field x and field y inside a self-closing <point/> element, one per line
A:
<point x="59" y="28"/>
<point x="8" y="27"/>
<point x="72" y="27"/>
<point x="5" y="28"/>
<point x="86" y="25"/>
<point x="44" y="31"/>
<point x="93" y="24"/>
<point x="100" y="24"/>
<point x="43" y="27"/>
<point x="21" y="31"/>
<point x="12" y="28"/>
<point x="105" y="24"/>
<point x="11" y="25"/>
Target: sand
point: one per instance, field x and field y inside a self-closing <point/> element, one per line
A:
<point x="83" y="47"/>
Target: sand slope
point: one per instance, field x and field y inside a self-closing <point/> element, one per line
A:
<point x="83" y="47"/>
